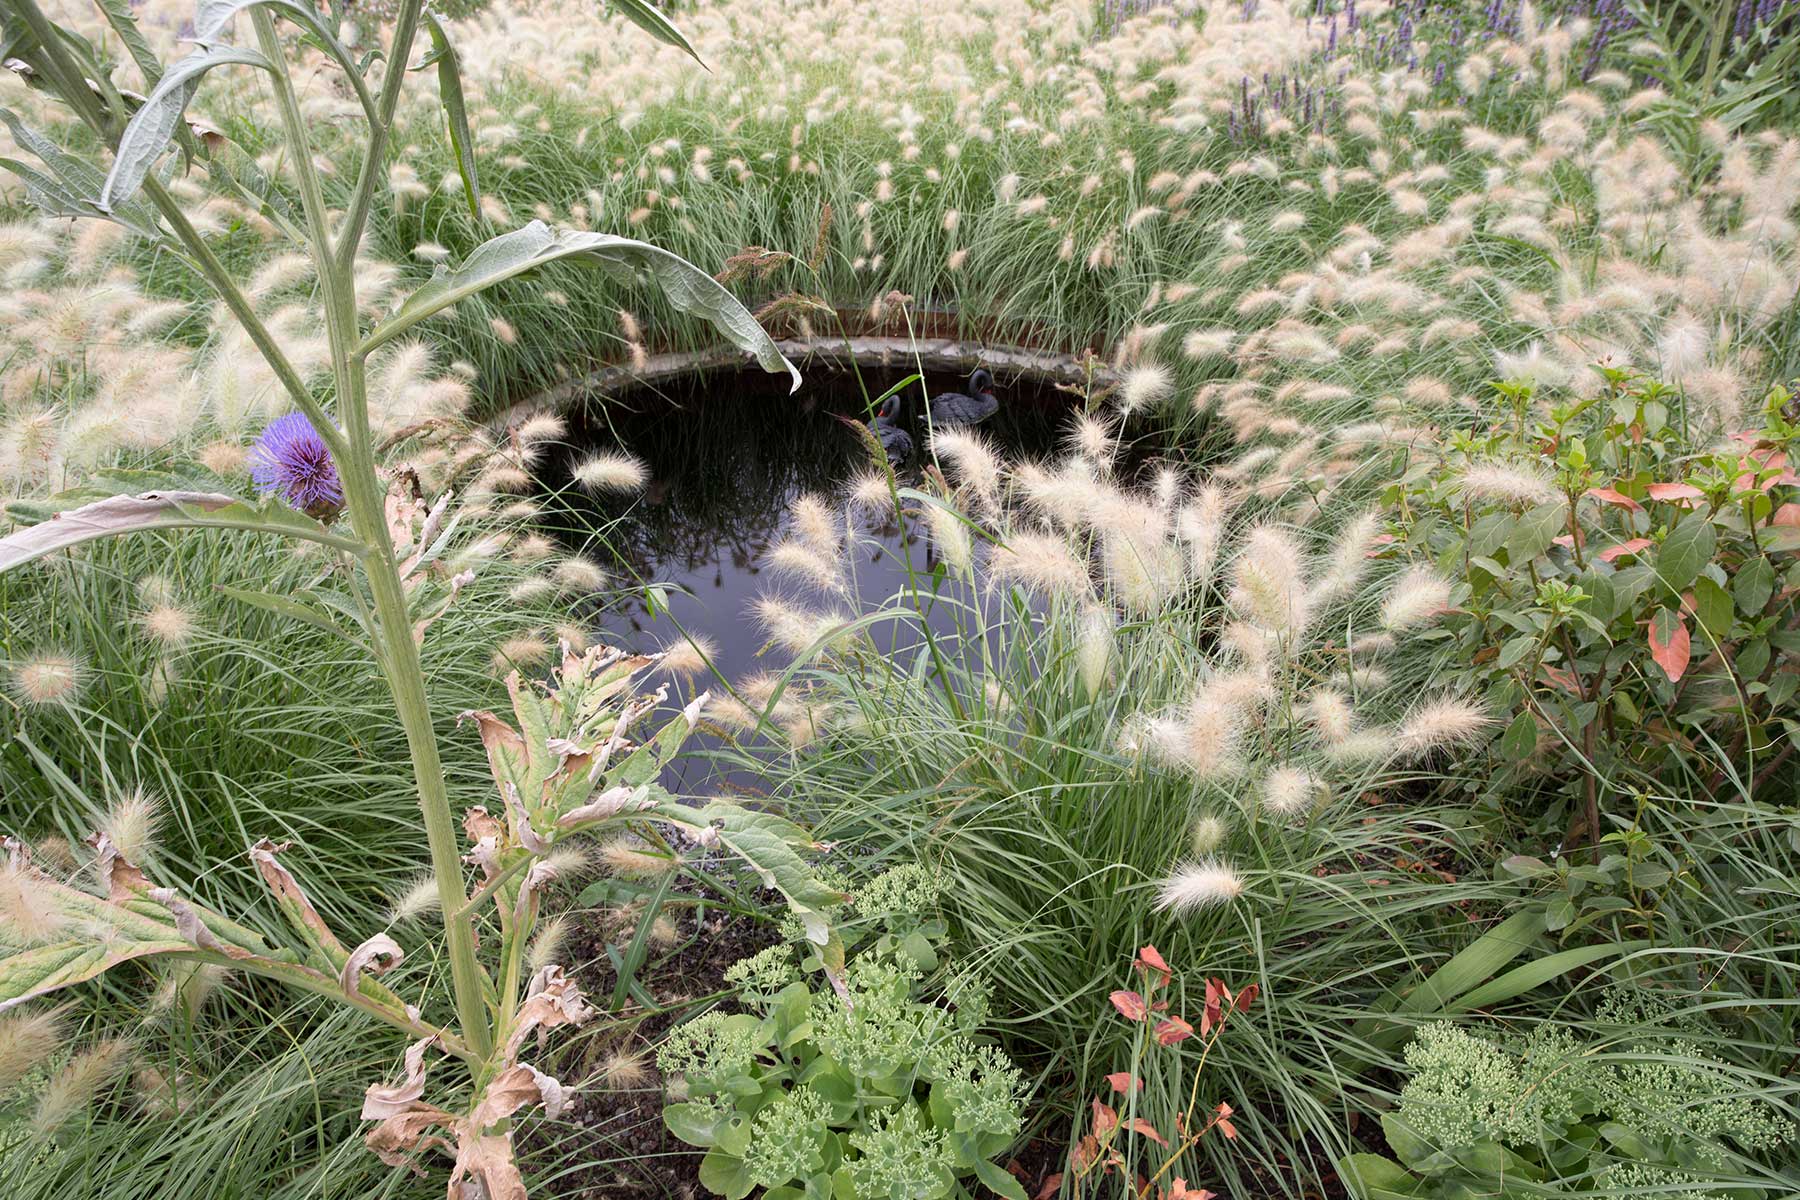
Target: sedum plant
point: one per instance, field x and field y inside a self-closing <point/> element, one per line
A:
<point x="878" y="1087"/>
<point x="1548" y="1112"/>
<point x="565" y="765"/>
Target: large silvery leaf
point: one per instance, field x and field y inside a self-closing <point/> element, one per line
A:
<point x="649" y="19"/>
<point x="69" y="186"/>
<point x="82" y="935"/>
<point x="55" y="530"/>
<point x="153" y="126"/>
<point x="688" y="288"/>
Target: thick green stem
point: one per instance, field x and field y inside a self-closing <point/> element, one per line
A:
<point x="394" y="645"/>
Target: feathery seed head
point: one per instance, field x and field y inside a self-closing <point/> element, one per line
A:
<point x="131" y="826"/>
<point x="1208" y="834"/>
<point x="168" y="624"/>
<point x="48" y="679"/>
<point x="1442" y="723"/>
<point x="1416" y="597"/>
<point x="74" y="1087"/>
<point x="27" y="1039"/>
<point x="687" y="657"/>
<point x="1193" y="887"/>
<point x="610" y="472"/>
<point x="420" y="899"/>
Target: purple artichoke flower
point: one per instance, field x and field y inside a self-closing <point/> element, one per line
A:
<point x="291" y="460"/>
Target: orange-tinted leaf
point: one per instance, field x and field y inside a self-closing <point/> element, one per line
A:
<point x="1051" y="1186"/>
<point x="1634" y="546"/>
<point x="1673" y="492"/>
<point x="1562" y="677"/>
<point x="1125" y="1081"/>
<point x="1105" y="1119"/>
<point x="1216" y="998"/>
<point x="1615" y="498"/>
<point x="1148" y="960"/>
<point x="1173" y="1030"/>
<point x="1669" y="644"/>
<point x="1139" y="1125"/>
<point x="1131" y="1006"/>
<point x="1787" y="514"/>
<point x="1247" y="997"/>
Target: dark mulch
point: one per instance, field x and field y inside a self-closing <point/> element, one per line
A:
<point x="611" y="1141"/>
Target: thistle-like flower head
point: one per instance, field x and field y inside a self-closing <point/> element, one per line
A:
<point x="291" y="460"/>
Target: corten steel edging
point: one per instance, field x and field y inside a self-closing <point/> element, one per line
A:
<point x="951" y="355"/>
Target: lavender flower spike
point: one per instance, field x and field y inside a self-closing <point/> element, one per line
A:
<point x="291" y="460"/>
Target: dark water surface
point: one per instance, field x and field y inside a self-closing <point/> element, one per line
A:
<point x="727" y="455"/>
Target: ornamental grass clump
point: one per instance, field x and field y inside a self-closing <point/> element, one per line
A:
<point x="568" y="764"/>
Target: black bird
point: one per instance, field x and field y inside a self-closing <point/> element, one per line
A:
<point x="886" y="426"/>
<point x="953" y="409"/>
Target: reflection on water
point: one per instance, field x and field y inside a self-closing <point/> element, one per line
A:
<point x="726" y="458"/>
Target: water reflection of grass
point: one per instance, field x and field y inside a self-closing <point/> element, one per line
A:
<point x="726" y="454"/>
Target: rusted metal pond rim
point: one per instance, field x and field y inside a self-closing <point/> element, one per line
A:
<point x="948" y="355"/>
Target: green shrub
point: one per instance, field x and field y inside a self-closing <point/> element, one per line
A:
<point x="1626" y="595"/>
<point x="883" y="1088"/>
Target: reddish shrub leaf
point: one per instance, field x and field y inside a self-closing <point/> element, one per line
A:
<point x="1247" y="997"/>
<point x="1052" y="1185"/>
<point x="1125" y="1081"/>
<point x="1669" y="644"/>
<point x="1674" y="492"/>
<point x="1148" y="1130"/>
<point x="1105" y="1120"/>
<point x="1173" y="1030"/>
<point x="1615" y="498"/>
<point x="1634" y="546"/>
<point x="1562" y="677"/>
<point x="1131" y="1006"/>
<point x="1149" y="959"/>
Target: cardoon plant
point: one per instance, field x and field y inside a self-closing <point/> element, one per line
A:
<point x="567" y="767"/>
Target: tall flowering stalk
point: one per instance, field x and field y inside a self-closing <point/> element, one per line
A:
<point x="569" y="765"/>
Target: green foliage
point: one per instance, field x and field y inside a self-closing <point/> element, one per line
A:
<point x="1637" y="1104"/>
<point x="1626" y="595"/>
<point x="879" y="1085"/>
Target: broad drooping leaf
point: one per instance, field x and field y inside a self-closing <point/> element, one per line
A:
<point x="78" y="935"/>
<point x="59" y="528"/>
<point x="686" y="286"/>
<point x="153" y="126"/>
<point x="456" y="111"/>
<point x="771" y="846"/>
<point x="64" y="185"/>
<point x="649" y="18"/>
